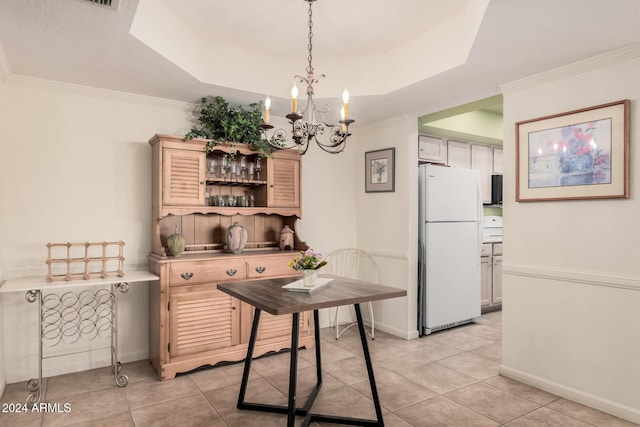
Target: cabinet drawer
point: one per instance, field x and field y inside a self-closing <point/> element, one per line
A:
<point x="497" y="248"/>
<point x="486" y="249"/>
<point x="190" y="273"/>
<point x="270" y="267"/>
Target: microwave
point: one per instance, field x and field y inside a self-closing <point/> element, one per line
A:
<point x="496" y="189"/>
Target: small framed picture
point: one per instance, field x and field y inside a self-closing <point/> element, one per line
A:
<point x="379" y="170"/>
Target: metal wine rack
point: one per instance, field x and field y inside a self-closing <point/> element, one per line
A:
<point x="70" y="317"/>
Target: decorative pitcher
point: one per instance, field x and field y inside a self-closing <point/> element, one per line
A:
<point x="286" y="238"/>
<point x="236" y="238"/>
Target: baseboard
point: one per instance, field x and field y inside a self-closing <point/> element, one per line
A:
<point x="623" y="411"/>
<point x="407" y="335"/>
<point x="84" y="364"/>
<point x="78" y="362"/>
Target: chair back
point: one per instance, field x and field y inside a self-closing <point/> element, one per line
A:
<point x="352" y="264"/>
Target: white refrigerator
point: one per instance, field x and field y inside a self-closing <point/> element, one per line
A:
<point x="450" y="240"/>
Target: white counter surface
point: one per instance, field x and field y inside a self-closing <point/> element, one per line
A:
<point x="26" y="284"/>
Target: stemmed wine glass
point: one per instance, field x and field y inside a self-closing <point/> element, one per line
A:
<point x="258" y="168"/>
<point x="224" y="166"/>
<point x="212" y="167"/>
<point x="234" y="169"/>
<point x="243" y="167"/>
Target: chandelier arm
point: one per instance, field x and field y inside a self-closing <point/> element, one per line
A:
<point x="337" y="138"/>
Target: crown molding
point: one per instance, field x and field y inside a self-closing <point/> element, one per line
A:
<point x="110" y="94"/>
<point x="599" y="61"/>
<point x="7" y="77"/>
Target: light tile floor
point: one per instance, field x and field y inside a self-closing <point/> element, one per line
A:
<point x="448" y="378"/>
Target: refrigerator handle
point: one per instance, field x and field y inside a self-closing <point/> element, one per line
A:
<point x="480" y="222"/>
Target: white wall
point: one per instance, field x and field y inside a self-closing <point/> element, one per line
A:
<point x="571" y="273"/>
<point x="75" y="166"/>
<point x="3" y="379"/>
<point x="387" y="222"/>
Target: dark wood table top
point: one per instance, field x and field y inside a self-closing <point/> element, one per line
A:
<point x="268" y="295"/>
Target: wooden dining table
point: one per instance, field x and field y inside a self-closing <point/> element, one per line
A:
<point x="270" y="296"/>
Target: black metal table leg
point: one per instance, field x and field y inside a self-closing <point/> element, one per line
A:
<point x="247" y="362"/>
<point x="378" y="422"/>
<point x="316" y="389"/>
<point x="367" y="359"/>
<point x="291" y="409"/>
<point x="293" y="370"/>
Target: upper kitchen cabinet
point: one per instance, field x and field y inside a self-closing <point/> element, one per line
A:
<point x="184" y="180"/>
<point x="432" y="149"/>
<point x="497" y="160"/>
<point x="459" y="154"/>
<point x="283" y="179"/>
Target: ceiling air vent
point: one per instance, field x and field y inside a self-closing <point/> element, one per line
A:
<point x="110" y="4"/>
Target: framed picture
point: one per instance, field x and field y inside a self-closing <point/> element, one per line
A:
<point x="581" y="154"/>
<point x="379" y="170"/>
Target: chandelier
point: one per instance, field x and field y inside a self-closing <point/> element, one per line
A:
<point x="309" y="124"/>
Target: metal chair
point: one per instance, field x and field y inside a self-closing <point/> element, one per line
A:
<point x="352" y="264"/>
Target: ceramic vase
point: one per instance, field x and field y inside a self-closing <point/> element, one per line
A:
<point x="236" y="238"/>
<point x="175" y="244"/>
<point x="309" y="278"/>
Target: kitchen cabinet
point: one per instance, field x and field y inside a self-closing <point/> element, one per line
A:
<point x="432" y="149"/>
<point x="491" y="277"/>
<point x="283" y="190"/>
<point x="184" y="177"/>
<point x="459" y="154"/>
<point x="497" y="160"/>
<point x="191" y="322"/>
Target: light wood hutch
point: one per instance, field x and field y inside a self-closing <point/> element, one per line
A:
<point x="191" y="322"/>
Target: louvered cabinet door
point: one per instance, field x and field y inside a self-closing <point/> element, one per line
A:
<point x="184" y="177"/>
<point x="271" y="327"/>
<point x="283" y="183"/>
<point x="278" y="326"/>
<point x="202" y="321"/>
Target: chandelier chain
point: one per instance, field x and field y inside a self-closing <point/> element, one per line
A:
<point x="310" y="36"/>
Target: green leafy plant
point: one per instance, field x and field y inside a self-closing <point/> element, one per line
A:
<point x="218" y="122"/>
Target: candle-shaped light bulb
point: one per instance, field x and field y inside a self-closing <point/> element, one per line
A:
<point x="267" y="107"/>
<point x="344" y="126"/>
<point x="345" y="100"/>
<point x="294" y="98"/>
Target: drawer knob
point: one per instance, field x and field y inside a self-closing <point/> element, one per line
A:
<point x="231" y="271"/>
<point x="186" y="276"/>
<point x="260" y="269"/>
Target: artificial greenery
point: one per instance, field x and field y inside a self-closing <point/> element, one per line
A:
<point x="218" y="122"/>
